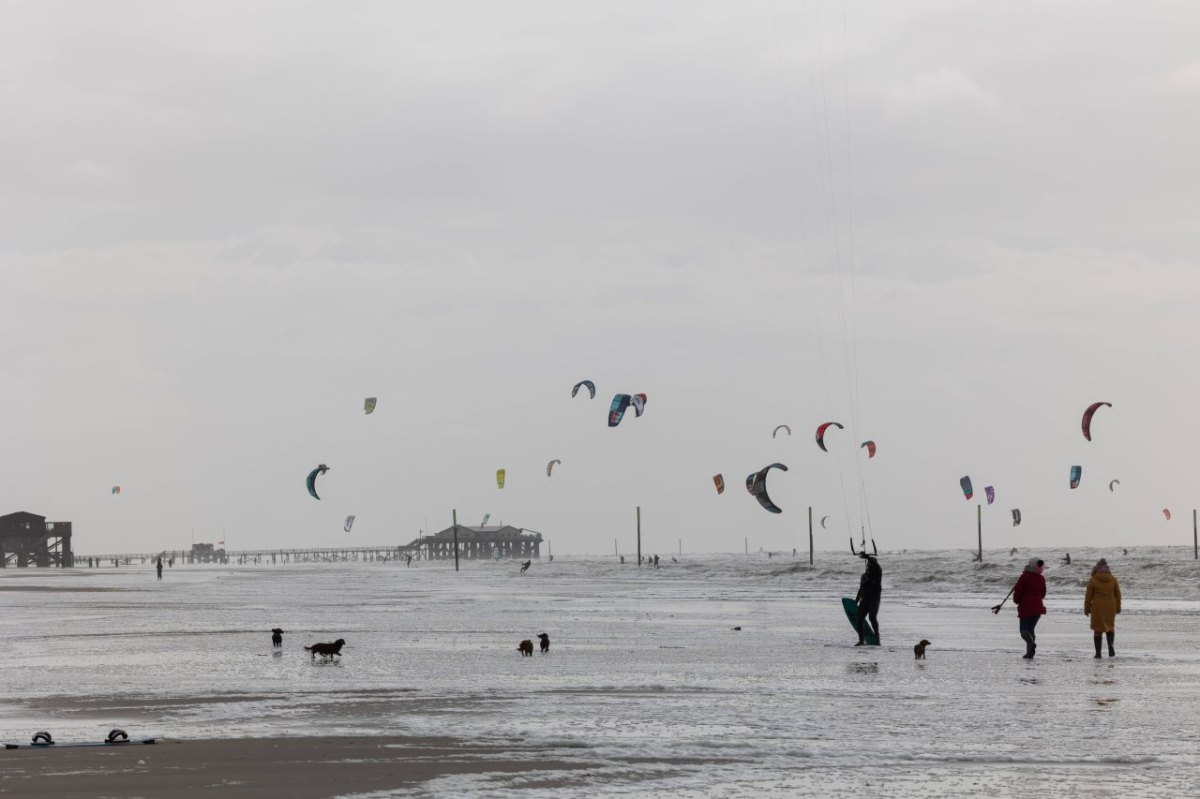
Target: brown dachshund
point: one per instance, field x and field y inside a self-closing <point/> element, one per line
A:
<point x="919" y="649"/>
<point x="525" y="648"/>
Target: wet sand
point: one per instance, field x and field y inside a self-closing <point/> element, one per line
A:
<point x="298" y="768"/>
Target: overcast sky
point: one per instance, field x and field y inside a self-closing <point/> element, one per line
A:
<point x="947" y="225"/>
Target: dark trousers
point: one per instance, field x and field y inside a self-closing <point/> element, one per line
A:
<point x="868" y="607"/>
<point x="1027" y="625"/>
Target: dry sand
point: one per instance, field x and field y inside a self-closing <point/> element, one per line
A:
<point x="296" y="768"/>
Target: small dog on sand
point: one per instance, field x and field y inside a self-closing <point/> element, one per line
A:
<point x="545" y="642"/>
<point x="525" y="648"/>
<point x="276" y="637"/>
<point x="919" y="649"/>
<point x="326" y="651"/>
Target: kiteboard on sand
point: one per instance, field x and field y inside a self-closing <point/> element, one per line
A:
<point x="851" y="608"/>
<point x="43" y="740"/>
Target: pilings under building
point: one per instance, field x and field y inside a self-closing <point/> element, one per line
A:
<point x="27" y="539"/>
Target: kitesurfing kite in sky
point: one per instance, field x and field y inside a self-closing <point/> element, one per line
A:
<point x="116" y="489"/>
<point x="349" y="523"/>
<point x="1112" y="483"/>
<point x="968" y="492"/>
<point x="781" y="427"/>
<point x="1167" y="513"/>
<point x="1087" y="417"/>
<point x="870" y="445"/>
<point x="500" y="478"/>
<point x="638" y="401"/>
<point x="719" y="482"/>
<point x="1076" y="474"/>
<point x="369" y="405"/>
<point x="311" y="480"/>
<point x="823" y="518"/>
<point x="756" y="484"/>
<point x="550" y="466"/>
<point x="616" y="411"/>
<point x="1016" y="516"/>
<point x="486" y="516"/>
<point x="990" y="493"/>
<point x="821" y="433"/>
<point x="588" y="384"/>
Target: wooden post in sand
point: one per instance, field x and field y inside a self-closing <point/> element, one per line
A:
<point x="1195" y="541"/>
<point x="639" y="517"/>
<point x="979" y="528"/>
<point x="810" y="538"/>
<point x="454" y="517"/>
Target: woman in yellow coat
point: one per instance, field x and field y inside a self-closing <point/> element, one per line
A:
<point x="1102" y="603"/>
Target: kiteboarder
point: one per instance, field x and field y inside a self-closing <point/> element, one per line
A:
<point x="870" y="587"/>
<point x="1102" y="603"/>
<point x="1067" y="559"/>
<point x="525" y="566"/>
<point x="1028" y="593"/>
<point x="158" y="568"/>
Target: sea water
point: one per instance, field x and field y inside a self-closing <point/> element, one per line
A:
<point x="648" y="685"/>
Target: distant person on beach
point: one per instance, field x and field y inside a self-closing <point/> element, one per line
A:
<point x="409" y="563"/>
<point x="158" y="568"/>
<point x="1124" y="551"/>
<point x="1012" y="552"/>
<point x="622" y="559"/>
<point x="870" y="590"/>
<point x="1102" y="602"/>
<point x="1067" y="559"/>
<point x="656" y="561"/>
<point x="525" y="566"/>
<point x="1028" y="594"/>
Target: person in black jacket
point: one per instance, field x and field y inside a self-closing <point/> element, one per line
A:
<point x="870" y="588"/>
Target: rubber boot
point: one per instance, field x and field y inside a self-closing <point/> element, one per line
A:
<point x="1112" y="653"/>
<point x="1096" y="641"/>
<point x="1029" y="647"/>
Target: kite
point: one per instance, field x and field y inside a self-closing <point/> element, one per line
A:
<point x="369" y="405"/>
<point x="1087" y="417"/>
<point x="1167" y="513"/>
<point x="870" y="445"/>
<point x="823" y="518"/>
<point x="756" y="484"/>
<point x="1112" y="483"/>
<point x="1016" y="512"/>
<point x="486" y="516"/>
<point x="616" y="411"/>
<point x="965" y="482"/>
<point x="821" y="433"/>
<point x="311" y="480"/>
<point x="719" y="482"/>
<point x="591" y="387"/>
<point x="349" y="523"/>
<point x="1076" y="473"/>
<point x="638" y="401"/>
<point x="781" y="427"/>
<point x="500" y="478"/>
<point x="116" y="489"/>
<point x="550" y="466"/>
<point x="990" y="493"/>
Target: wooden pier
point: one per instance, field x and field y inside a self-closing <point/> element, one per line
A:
<point x="474" y="543"/>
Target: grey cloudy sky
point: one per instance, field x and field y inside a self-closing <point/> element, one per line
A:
<point x="948" y="225"/>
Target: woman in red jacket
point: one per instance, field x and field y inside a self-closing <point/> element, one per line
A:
<point x="1028" y="593"/>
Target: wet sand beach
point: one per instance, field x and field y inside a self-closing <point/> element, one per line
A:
<point x="297" y="768"/>
<point x="726" y="676"/>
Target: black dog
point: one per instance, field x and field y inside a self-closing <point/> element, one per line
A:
<point x="326" y="650"/>
<point x="276" y="637"/>
<point x="545" y="642"/>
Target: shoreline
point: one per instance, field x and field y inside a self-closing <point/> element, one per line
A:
<point x="254" y="768"/>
